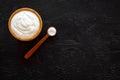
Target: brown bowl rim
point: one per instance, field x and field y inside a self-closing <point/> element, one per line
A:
<point x="25" y="9"/>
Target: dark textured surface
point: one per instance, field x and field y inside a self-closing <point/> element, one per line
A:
<point x="87" y="46"/>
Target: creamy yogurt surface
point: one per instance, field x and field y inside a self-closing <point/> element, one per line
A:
<point x="52" y="31"/>
<point x="25" y="24"/>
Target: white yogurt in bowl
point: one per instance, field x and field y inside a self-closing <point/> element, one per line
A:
<point x="25" y="24"/>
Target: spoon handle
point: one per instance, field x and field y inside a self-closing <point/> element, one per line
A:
<point x="31" y="51"/>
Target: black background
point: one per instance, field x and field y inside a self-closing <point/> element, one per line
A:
<point x="86" y="47"/>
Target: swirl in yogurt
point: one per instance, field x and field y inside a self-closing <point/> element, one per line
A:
<point x="25" y="24"/>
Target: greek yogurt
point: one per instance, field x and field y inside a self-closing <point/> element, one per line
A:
<point x="25" y="24"/>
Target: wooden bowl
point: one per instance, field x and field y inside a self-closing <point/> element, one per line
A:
<point x="21" y="37"/>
